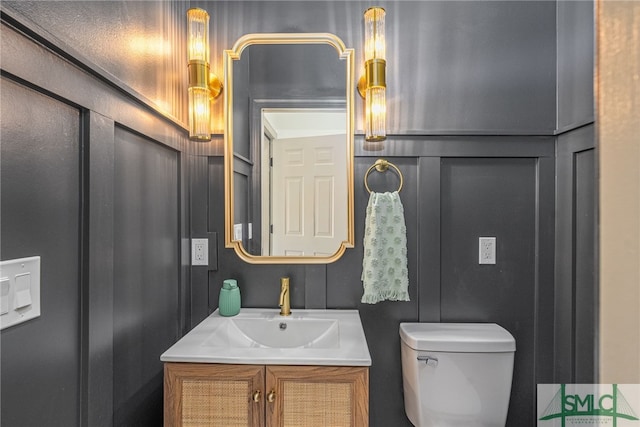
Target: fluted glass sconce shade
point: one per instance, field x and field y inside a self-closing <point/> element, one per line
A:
<point x="199" y="113"/>
<point x="376" y="114"/>
<point x="374" y="39"/>
<point x="372" y="85"/>
<point x="198" y="37"/>
<point x="203" y="86"/>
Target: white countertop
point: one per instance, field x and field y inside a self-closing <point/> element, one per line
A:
<point x="208" y="342"/>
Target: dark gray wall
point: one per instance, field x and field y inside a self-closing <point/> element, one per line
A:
<point x="93" y="182"/>
<point x="576" y="258"/>
<point x="456" y="189"/>
<point x="138" y="46"/>
<point x="586" y="289"/>
<point x="146" y="260"/>
<point x="463" y="68"/>
<point x="576" y="199"/>
<point x="40" y="174"/>
<point x="452" y="67"/>
<point x="575" y="67"/>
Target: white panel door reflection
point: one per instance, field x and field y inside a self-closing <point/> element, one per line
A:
<point x="309" y="199"/>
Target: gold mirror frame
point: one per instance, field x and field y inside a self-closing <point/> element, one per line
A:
<point x="234" y="55"/>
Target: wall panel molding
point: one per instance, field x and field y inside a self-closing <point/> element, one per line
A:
<point x="574" y="186"/>
<point x="429" y="227"/>
<point x="462" y="146"/>
<point x="147" y="288"/>
<point x="98" y="277"/>
<point x="544" y="272"/>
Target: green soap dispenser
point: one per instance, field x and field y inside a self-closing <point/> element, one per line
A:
<point x="229" y="302"/>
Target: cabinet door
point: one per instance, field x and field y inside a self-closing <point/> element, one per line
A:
<point x="213" y="395"/>
<point x="317" y="396"/>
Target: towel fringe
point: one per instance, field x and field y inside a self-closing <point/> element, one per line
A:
<point x="391" y="295"/>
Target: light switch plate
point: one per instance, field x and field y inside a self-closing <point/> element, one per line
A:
<point x="4" y="295"/>
<point x="19" y="290"/>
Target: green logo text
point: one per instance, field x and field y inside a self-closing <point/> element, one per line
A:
<point x="613" y="405"/>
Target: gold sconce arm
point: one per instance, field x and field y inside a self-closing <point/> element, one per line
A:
<point x="215" y="85"/>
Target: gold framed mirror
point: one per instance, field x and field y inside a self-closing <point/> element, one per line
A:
<point x="288" y="156"/>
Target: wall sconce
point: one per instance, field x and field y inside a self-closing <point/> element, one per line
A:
<point x="372" y="85"/>
<point x="203" y="85"/>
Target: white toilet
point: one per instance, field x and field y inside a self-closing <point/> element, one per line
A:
<point x="456" y="374"/>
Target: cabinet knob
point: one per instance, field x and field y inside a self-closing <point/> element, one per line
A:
<point x="271" y="397"/>
<point x="256" y="396"/>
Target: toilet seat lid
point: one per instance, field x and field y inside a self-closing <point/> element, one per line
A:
<point x="457" y="337"/>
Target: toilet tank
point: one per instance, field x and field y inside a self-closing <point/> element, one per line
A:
<point x="456" y="374"/>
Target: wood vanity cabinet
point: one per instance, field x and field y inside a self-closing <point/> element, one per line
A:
<point x="202" y="394"/>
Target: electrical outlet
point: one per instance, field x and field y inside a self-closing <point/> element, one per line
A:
<point x="487" y="250"/>
<point x="199" y="251"/>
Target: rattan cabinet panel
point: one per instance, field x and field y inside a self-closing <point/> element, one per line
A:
<point x="317" y="396"/>
<point x="199" y="394"/>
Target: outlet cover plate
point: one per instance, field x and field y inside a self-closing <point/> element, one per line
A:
<point x="486" y="250"/>
<point x="200" y="252"/>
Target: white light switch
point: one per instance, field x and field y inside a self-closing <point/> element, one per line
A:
<point x="23" y="290"/>
<point x="4" y="295"/>
<point x="19" y="290"/>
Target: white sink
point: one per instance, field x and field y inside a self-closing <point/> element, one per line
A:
<point x="262" y="336"/>
<point x="273" y="332"/>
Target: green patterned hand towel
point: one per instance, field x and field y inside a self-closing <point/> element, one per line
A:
<point x="384" y="265"/>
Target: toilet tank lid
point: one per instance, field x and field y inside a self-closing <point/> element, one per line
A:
<point x="457" y="337"/>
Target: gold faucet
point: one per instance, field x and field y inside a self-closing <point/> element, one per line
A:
<point x="285" y="301"/>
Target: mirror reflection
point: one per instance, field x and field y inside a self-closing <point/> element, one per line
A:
<point x="303" y="186"/>
<point x="288" y="154"/>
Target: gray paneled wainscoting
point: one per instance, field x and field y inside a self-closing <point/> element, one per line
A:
<point x="456" y="189"/>
<point x="576" y="258"/>
<point x="94" y="183"/>
<point x="146" y="303"/>
<point x="102" y="182"/>
<point x="41" y="208"/>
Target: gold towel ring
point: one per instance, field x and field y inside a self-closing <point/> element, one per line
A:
<point x="382" y="165"/>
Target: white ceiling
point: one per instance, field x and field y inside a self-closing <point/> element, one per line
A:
<point x="292" y="123"/>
